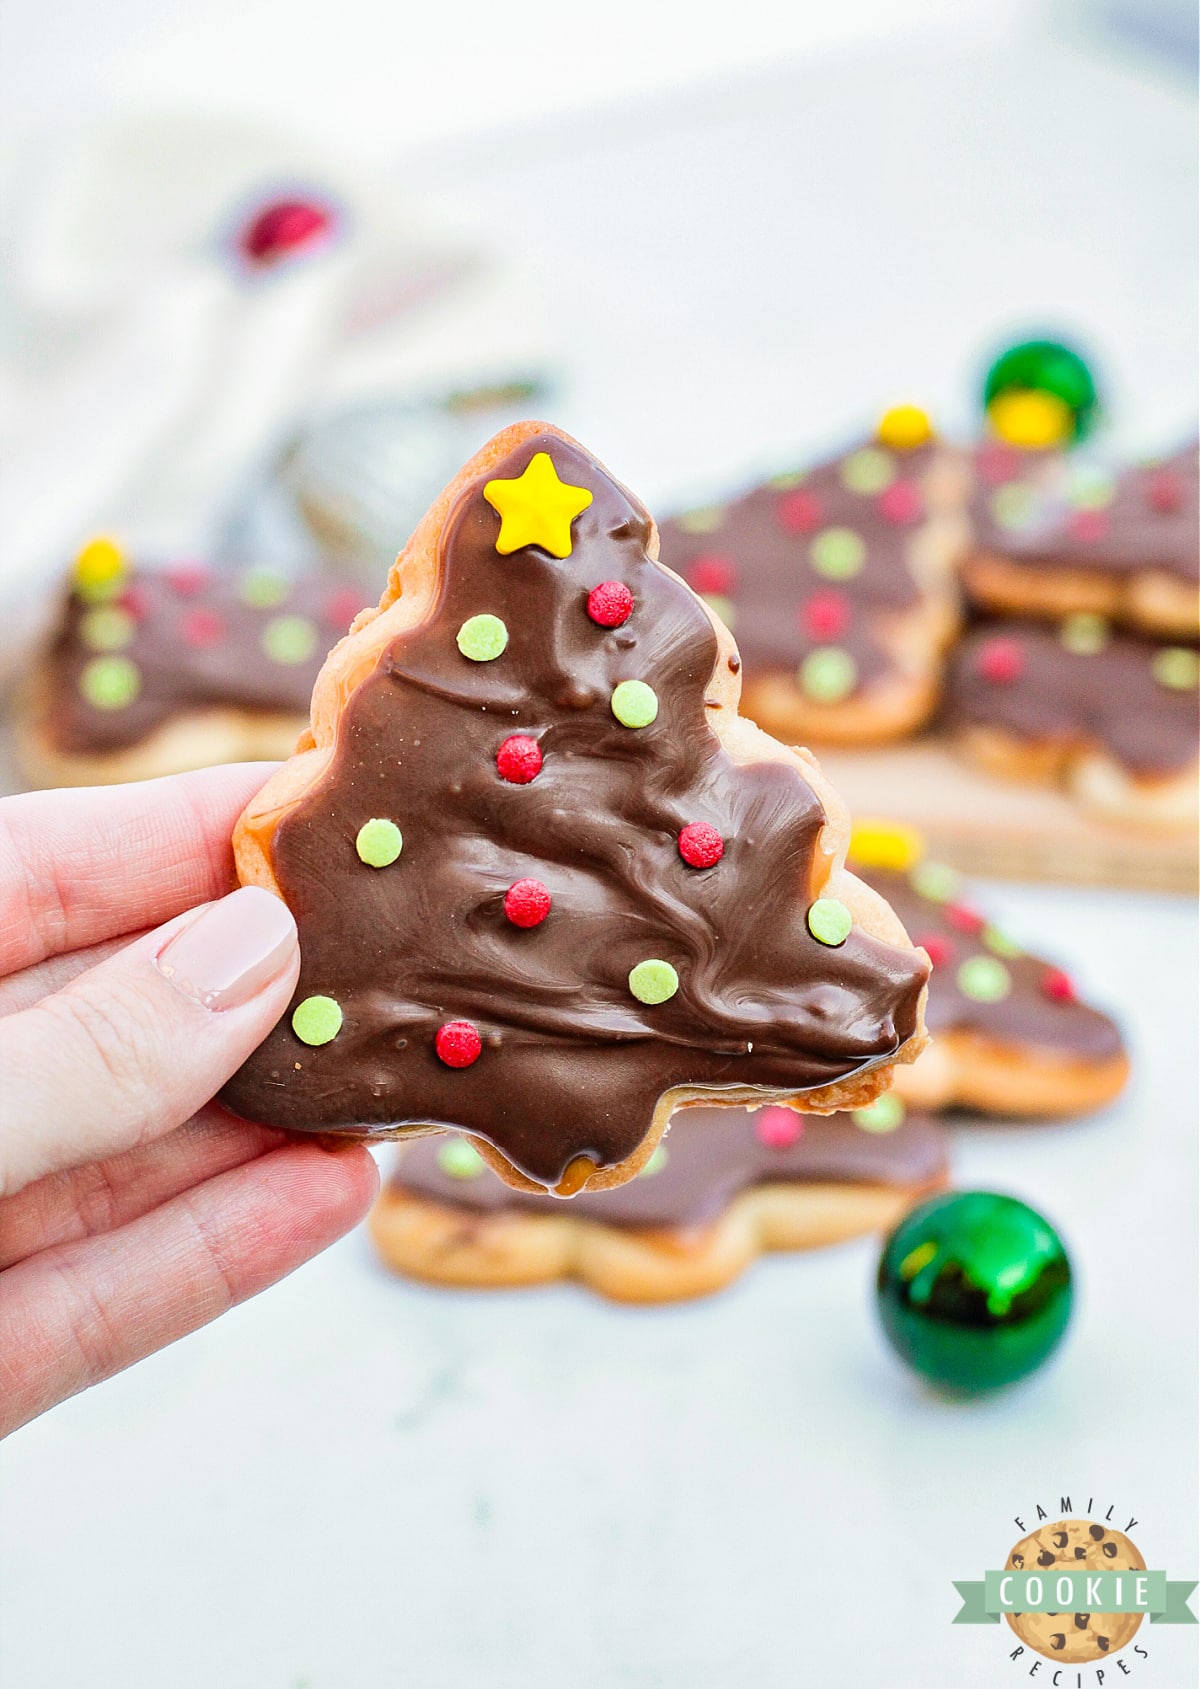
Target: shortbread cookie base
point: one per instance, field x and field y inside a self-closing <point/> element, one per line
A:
<point x="1094" y="778"/>
<point x="1151" y="600"/>
<point x="967" y="1070"/>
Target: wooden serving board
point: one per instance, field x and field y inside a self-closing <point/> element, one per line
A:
<point x="984" y="825"/>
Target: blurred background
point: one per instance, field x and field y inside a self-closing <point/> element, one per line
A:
<point x="708" y="240"/>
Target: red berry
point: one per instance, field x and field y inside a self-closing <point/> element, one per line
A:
<point x="826" y="615"/>
<point x="779" y="1128"/>
<point x="1164" y="491"/>
<point x="701" y="845"/>
<point x="458" y="1043"/>
<point x="713" y="573"/>
<point x="940" y="950"/>
<point x="342" y="606"/>
<point x="799" y="512"/>
<point x="1001" y="661"/>
<point x="610" y="604"/>
<point x="964" y="919"/>
<point x="1058" y="986"/>
<point x="1088" y="525"/>
<point x="187" y="579"/>
<point x="201" y="628"/>
<point x="284" y="227"/>
<point x="901" y="503"/>
<point x="527" y="903"/>
<point x="519" y="759"/>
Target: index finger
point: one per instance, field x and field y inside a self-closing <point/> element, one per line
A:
<point x="89" y="863"/>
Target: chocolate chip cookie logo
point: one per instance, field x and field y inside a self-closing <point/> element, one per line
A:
<point x="1077" y="1591"/>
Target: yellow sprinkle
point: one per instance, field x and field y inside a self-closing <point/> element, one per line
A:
<point x="904" y="428"/>
<point x="99" y="568"/>
<point x="1030" y="419"/>
<point x="885" y="844"/>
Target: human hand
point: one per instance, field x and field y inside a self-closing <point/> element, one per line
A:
<point x="133" y="1209"/>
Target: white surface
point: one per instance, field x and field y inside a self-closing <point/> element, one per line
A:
<point x="352" y="1482"/>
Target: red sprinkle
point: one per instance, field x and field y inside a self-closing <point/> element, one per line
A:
<point x="996" y="462"/>
<point x="458" y="1043"/>
<point x="187" y="579"/>
<point x="701" y="845"/>
<point x="342" y="606"/>
<point x="519" y="760"/>
<point x="1088" y="524"/>
<point x="1001" y="661"/>
<point x="610" y="604"/>
<point x="284" y="227"/>
<point x="799" y="512"/>
<point x="779" y="1128"/>
<point x="527" y="903"/>
<point x="901" y="503"/>
<point x="714" y="573"/>
<point x="1164" y="491"/>
<point x="135" y="602"/>
<point x="201" y="628"/>
<point x="826" y="615"/>
<point x="964" y="919"/>
<point x="1058" y="986"/>
<point x="940" y="950"/>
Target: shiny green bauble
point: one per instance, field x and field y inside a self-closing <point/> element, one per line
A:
<point x="1046" y="366"/>
<point x="974" y="1290"/>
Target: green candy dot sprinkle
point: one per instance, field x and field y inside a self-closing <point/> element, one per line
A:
<point x="107" y="628"/>
<point x="317" y="1020"/>
<point x="984" y="979"/>
<point x="936" y="882"/>
<point x="789" y="480"/>
<point x="868" y="471"/>
<point x="837" y="553"/>
<point x="1091" y="487"/>
<point x="460" y="1160"/>
<point x="999" y="942"/>
<point x="705" y="521"/>
<point x="884" y="1115"/>
<point x="263" y="588"/>
<point x="379" y="842"/>
<point x="1084" y="633"/>
<point x="653" y="981"/>
<point x="289" y="639"/>
<point x="828" y="674"/>
<point x="482" y="638"/>
<point x="110" y="683"/>
<point x="656" y="1162"/>
<point x="634" y="703"/>
<point x="1015" y="505"/>
<point x="1176" y="668"/>
<point x="830" y="921"/>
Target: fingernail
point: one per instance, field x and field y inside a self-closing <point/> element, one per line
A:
<point x="232" y="951"/>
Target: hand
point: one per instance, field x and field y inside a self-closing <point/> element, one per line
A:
<point x="132" y="1209"/>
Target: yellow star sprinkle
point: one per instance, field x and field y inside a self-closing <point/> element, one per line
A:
<point x="536" y="509"/>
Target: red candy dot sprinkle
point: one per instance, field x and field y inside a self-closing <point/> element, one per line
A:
<point x="1058" y="986"/>
<point x="1088" y="525"/>
<point x="1164" y="491"/>
<point x="940" y="950"/>
<point x="826" y="615"/>
<point x="135" y="603"/>
<point x="527" y="903"/>
<point x="201" y="628"/>
<point x="284" y="227"/>
<point x="799" y="512"/>
<point x="964" y="919"/>
<point x="1001" y="661"/>
<point x="901" y="503"/>
<point x="779" y="1128"/>
<point x="458" y="1043"/>
<point x="610" y="604"/>
<point x="187" y="579"/>
<point x="997" y="462"/>
<point x="713" y="573"/>
<point x="342" y="606"/>
<point x="701" y="845"/>
<point x="519" y="760"/>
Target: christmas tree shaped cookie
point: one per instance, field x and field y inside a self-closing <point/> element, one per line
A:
<point x="549" y="885"/>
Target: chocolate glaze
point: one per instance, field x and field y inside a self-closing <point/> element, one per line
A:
<point x="769" y="570"/>
<point x="1065" y="527"/>
<point x="197" y="645"/>
<point x="1108" y="697"/>
<point x="1029" y="1017"/>
<point x="572" y="1063"/>
<point x="712" y="1156"/>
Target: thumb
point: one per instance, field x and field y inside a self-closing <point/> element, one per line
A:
<point x="132" y="1048"/>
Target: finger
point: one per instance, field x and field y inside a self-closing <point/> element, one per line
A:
<point x="80" y="865"/>
<point x="104" y="1195"/>
<point x="23" y="990"/>
<point x="72" y="1316"/>
<point x="132" y="1048"/>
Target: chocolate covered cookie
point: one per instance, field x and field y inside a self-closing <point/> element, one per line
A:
<point x="721" y="1189"/>
<point x="838" y="583"/>
<point x="550" y="885"/>
<point x="1068" y="1546"/>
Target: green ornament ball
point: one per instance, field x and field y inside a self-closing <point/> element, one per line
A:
<point x="1046" y="366"/>
<point x="974" y="1291"/>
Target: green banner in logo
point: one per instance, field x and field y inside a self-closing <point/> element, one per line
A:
<point x="1062" y="1591"/>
